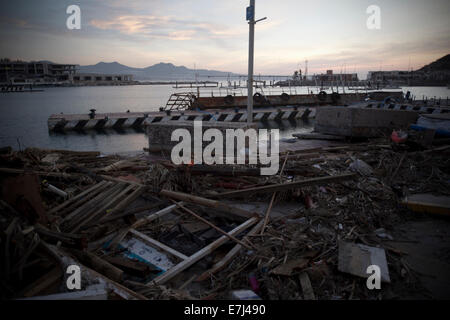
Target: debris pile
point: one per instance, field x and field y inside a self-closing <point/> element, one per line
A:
<point x="139" y="227"/>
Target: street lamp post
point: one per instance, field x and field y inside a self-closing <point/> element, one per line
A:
<point x="251" y="47"/>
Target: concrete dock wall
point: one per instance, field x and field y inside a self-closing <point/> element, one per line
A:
<point x="159" y="134"/>
<point x="358" y="122"/>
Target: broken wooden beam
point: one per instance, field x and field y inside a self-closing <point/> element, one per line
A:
<point x="214" y="227"/>
<point x="208" y="203"/>
<point x="287" y="186"/>
<point x="158" y="245"/>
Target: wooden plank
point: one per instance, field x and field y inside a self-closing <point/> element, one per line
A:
<point x="287" y="186"/>
<point x="127" y="201"/>
<point x="158" y="245"/>
<point x="73" y="199"/>
<point x="308" y="292"/>
<point x="86" y="211"/>
<point x="208" y="203"/>
<point x="168" y="275"/>
<point x="428" y="203"/>
<point x="89" y="203"/>
<point x="107" y="203"/>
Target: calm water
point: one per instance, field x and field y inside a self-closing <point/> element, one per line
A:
<point x="24" y="116"/>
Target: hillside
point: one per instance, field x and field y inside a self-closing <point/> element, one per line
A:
<point x="442" y="64"/>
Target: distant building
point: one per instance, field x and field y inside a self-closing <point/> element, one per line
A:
<point x="336" y="77"/>
<point x="48" y="73"/>
<point x="390" y="76"/>
<point x="425" y="76"/>
<point x="31" y="72"/>
<point x="99" y="79"/>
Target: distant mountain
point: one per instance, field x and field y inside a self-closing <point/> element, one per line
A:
<point x="438" y="65"/>
<point x="160" y="71"/>
<point x="107" y="68"/>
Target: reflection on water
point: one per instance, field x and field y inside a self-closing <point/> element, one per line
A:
<point x="23" y="120"/>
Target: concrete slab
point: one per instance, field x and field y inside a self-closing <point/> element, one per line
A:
<point x="358" y="122"/>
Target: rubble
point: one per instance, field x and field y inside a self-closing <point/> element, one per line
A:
<point x="143" y="228"/>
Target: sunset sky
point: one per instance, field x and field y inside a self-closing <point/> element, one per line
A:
<point x="213" y="34"/>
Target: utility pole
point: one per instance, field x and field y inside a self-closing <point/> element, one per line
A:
<point x="251" y="47"/>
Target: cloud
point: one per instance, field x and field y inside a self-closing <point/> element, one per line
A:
<point x="169" y="27"/>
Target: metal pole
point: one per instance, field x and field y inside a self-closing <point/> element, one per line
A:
<point x="251" y="47"/>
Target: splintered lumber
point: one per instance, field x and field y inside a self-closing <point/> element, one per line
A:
<point x="119" y="180"/>
<point x="77" y="197"/>
<point x="100" y="265"/>
<point x="208" y="203"/>
<point x="158" y="245"/>
<point x="93" y="198"/>
<point x="169" y="274"/>
<point x="287" y="186"/>
<point x="141" y="222"/>
<point x="111" y="201"/>
<point x="127" y="201"/>
<point x="428" y="203"/>
<point x="76" y="216"/>
<point x="230" y="255"/>
<point x="214" y="227"/>
<point x="308" y="292"/>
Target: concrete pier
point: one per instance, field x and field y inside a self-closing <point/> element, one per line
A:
<point x="159" y="134"/>
<point x="62" y="122"/>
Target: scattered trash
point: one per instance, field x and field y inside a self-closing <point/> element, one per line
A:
<point x="399" y="136"/>
<point x="143" y="228"/>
